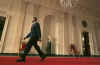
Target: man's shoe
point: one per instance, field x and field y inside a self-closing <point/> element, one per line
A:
<point x="43" y="57"/>
<point x="20" y="60"/>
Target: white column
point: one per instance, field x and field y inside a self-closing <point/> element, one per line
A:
<point x="71" y="30"/>
<point x="59" y="35"/>
<point x="79" y="31"/>
<point x="66" y="34"/>
<point x="57" y="38"/>
<point x="96" y="36"/>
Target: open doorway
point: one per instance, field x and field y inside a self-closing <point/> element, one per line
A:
<point x="86" y="45"/>
<point x="2" y="23"/>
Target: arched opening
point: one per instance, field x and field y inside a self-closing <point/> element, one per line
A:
<point x="86" y="45"/>
<point x="85" y="39"/>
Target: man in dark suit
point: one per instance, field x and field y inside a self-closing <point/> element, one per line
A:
<point x="35" y="35"/>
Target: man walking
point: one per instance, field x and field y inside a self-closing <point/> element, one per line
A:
<point x="35" y="36"/>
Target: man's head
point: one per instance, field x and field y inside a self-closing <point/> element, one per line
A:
<point x="34" y="19"/>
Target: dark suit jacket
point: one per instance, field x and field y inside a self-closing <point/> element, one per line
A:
<point x="35" y="31"/>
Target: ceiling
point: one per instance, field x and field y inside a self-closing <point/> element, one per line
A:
<point x="94" y="4"/>
<point x="89" y="5"/>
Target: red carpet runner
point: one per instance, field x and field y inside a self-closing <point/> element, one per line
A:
<point x="11" y="60"/>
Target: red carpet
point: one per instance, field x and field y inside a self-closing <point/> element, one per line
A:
<point x="11" y="60"/>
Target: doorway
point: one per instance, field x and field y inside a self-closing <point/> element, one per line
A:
<point x="86" y="45"/>
<point x="3" y="30"/>
<point x="2" y="23"/>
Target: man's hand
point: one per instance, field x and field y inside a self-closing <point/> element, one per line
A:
<point x="39" y="42"/>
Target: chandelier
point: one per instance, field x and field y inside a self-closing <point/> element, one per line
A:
<point x="68" y="3"/>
